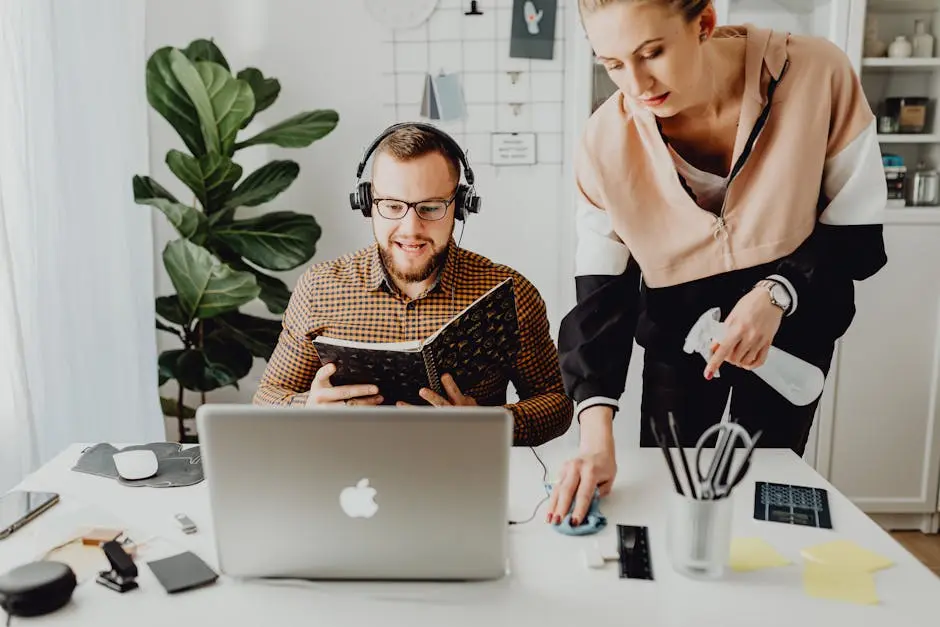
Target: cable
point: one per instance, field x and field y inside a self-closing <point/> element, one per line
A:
<point x="544" y="477"/>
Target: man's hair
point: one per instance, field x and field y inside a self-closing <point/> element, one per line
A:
<point x="411" y="142"/>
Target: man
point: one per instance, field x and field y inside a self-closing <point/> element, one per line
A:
<point x="408" y="284"/>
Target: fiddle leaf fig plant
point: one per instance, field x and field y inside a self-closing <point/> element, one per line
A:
<point x="222" y="261"/>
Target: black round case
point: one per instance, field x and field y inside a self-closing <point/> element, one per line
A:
<point x="36" y="588"/>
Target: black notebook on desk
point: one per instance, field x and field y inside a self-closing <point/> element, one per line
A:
<point x="482" y="337"/>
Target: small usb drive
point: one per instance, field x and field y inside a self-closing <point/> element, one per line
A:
<point x="187" y="525"/>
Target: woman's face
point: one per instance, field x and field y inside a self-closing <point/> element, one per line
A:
<point x="651" y="53"/>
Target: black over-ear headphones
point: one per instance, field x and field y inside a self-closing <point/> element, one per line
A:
<point x="466" y="200"/>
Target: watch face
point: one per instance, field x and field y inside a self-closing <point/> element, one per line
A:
<point x="780" y="294"/>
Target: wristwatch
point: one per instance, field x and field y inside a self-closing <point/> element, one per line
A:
<point x="779" y="295"/>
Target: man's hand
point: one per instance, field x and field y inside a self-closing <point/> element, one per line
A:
<point x="322" y="392"/>
<point x="749" y="330"/>
<point x="454" y="395"/>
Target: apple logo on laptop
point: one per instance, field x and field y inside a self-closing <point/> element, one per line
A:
<point x="359" y="501"/>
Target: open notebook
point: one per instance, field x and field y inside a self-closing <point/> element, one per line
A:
<point x="482" y="337"/>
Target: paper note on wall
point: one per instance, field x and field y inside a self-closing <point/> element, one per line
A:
<point x="442" y="98"/>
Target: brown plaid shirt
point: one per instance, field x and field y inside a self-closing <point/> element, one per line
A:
<point x="351" y="298"/>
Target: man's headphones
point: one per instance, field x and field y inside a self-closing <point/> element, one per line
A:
<point x="466" y="200"/>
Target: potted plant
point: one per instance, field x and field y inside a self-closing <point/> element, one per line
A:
<point x="220" y="261"/>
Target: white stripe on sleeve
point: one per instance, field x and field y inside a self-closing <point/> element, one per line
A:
<point x="599" y="249"/>
<point x="855" y="182"/>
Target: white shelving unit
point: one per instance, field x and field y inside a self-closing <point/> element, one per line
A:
<point x="879" y="423"/>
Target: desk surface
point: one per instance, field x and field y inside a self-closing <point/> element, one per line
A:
<point x="548" y="584"/>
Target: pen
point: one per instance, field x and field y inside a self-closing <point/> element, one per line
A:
<point x="662" y="445"/>
<point x="685" y="462"/>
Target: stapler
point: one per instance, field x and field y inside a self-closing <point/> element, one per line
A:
<point x="123" y="574"/>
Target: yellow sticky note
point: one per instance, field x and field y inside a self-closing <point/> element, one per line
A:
<point x="754" y="554"/>
<point x="846" y="554"/>
<point x="837" y="583"/>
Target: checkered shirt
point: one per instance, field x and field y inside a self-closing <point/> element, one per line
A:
<point x="352" y="298"/>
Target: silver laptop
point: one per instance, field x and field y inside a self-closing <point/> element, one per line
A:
<point x="376" y="493"/>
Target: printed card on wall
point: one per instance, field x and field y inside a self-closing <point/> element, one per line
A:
<point x="533" y="29"/>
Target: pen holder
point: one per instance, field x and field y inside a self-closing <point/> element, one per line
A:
<point x="698" y="536"/>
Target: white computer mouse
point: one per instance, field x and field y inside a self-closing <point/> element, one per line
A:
<point x="134" y="465"/>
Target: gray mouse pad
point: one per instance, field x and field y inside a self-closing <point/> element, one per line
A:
<point x="176" y="466"/>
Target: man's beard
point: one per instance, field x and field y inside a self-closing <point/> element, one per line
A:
<point x="417" y="275"/>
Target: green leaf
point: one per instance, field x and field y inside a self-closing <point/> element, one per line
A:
<point x="298" y="131"/>
<point x="165" y="327"/>
<point x="192" y="84"/>
<point x="205" y="286"/>
<point x="166" y="364"/>
<point x="169" y="408"/>
<point x="146" y="187"/>
<point x="266" y="90"/>
<point x="258" y="335"/>
<point x="274" y="292"/>
<point x="167" y="96"/>
<point x="264" y="184"/>
<point x="169" y="308"/>
<point x="232" y="101"/>
<point x="189" y="222"/>
<point x="280" y="240"/>
<point x="211" y="177"/>
<point x="205" y="50"/>
<point x="220" y="363"/>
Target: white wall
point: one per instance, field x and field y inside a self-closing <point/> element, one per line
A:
<point x="334" y="63"/>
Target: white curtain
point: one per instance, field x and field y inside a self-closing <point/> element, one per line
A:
<point x="78" y="353"/>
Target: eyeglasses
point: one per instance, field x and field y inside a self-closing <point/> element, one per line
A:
<point x="431" y="210"/>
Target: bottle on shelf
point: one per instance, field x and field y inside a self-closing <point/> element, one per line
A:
<point x="900" y="48"/>
<point x="922" y="41"/>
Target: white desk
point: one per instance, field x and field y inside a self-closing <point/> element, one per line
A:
<point x="548" y="584"/>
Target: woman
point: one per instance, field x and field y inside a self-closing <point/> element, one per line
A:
<point x="736" y="167"/>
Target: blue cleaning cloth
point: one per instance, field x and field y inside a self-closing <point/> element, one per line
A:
<point x="592" y="523"/>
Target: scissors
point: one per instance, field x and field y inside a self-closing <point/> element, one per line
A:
<point x="718" y="481"/>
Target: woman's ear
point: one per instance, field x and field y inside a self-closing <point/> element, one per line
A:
<point x="707" y="22"/>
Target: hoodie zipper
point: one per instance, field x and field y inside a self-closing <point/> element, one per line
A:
<point x="720" y="230"/>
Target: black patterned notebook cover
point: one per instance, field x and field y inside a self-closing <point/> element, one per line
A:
<point x="480" y="338"/>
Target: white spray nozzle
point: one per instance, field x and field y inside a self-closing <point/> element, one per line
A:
<point x="797" y="380"/>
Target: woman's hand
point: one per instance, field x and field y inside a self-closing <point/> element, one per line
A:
<point x="749" y="330"/>
<point x="595" y="467"/>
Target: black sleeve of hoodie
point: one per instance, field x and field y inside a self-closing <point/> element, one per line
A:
<point x="596" y="337"/>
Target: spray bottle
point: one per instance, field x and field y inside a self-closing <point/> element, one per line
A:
<point x="799" y="381"/>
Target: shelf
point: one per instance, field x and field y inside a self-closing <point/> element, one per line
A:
<point x="901" y="64"/>
<point x="912" y="215"/>
<point x="909" y="138"/>
<point x="907" y="6"/>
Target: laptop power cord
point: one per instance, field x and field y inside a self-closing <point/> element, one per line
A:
<point x="544" y="477"/>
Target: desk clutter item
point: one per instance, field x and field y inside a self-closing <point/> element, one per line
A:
<point x="718" y="480"/>
<point x="36" y="589"/>
<point x="749" y="554"/>
<point x="792" y="504"/>
<point x="593" y="522"/>
<point x="176" y="466"/>
<point x="123" y="573"/>
<point x="182" y="572"/>
<point x="846" y="554"/>
<point x="823" y="581"/>
<point x="633" y="545"/>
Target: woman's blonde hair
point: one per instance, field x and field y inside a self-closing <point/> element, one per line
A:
<point x="690" y="9"/>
